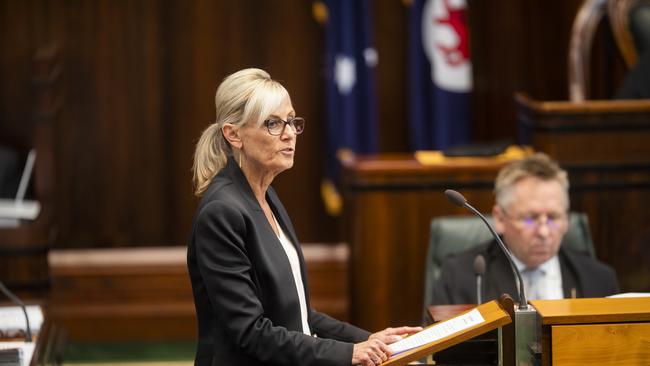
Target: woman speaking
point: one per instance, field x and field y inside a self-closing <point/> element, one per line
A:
<point x="245" y="263"/>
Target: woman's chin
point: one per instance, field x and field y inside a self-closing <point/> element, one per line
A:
<point x="285" y="164"/>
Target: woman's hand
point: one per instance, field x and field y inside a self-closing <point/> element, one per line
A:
<point x="392" y="335"/>
<point x="369" y="353"/>
<point x="374" y="351"/>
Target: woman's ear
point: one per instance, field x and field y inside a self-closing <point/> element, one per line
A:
<point x="231" y="133"/>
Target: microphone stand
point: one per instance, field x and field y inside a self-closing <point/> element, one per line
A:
<point x="478" y="289"/>
<point x="523" y="304"/>
<point x="458" y="199"/>
<point x="525" y="322"/>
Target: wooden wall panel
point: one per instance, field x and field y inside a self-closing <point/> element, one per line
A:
<point x="523" y="46"/>
<point x="139" y="79"/>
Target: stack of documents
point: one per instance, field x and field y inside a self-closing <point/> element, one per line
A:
<point x="9" y="353"/>
<point x="16" y="353"/>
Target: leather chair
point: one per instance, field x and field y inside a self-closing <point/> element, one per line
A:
<point x="451" y="234"/>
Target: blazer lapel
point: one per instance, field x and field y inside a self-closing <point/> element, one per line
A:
<point x="502" y="278"/>
<point x="570" y="282"/>
<point x="281" y="215"/>
<point x="238" y="178"/>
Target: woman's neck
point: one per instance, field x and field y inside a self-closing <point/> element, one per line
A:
<point x="259" y="180"/>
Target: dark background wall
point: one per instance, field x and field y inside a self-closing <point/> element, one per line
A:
<point x="138" y="79"/>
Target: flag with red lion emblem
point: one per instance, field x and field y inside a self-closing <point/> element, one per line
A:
<point x="440" y="74"/>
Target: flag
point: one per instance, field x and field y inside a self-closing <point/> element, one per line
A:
<point x="439" y="74"/>
<point x="350" y="61"/>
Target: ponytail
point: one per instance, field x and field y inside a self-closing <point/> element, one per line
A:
<point x="210" y="157"/>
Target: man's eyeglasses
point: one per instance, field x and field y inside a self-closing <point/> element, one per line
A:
<point x="532" y="222"/>
<point x="276" y="126"/>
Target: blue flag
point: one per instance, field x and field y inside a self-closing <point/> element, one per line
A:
<point x="439" y="74"/>
<point x="351" y="101"/>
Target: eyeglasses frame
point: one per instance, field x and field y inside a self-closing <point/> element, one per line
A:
<point x="290" y="122"/>
<point x="535" y="221"/>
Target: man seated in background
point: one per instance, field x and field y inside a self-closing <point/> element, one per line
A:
<point x="531" y="216"/>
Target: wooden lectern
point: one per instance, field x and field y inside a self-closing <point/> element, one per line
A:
<point x="495" y="313"/>
<point x="603" y="331"/>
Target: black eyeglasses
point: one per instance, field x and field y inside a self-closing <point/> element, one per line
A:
<point x="276" y="126"/>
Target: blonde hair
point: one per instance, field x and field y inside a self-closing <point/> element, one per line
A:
<point x="249" y="95"/>
<point x="539" y="166"/>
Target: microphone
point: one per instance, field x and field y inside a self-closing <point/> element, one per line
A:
<point x="458" y="200"/>
<point x="15" y="299"/>
<point x="479" y="270"/>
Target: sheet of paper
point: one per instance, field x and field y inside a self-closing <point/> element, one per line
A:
<point x="438" y="331"/>
<point x="12" y="318"/>
<point x="631" y="294"/>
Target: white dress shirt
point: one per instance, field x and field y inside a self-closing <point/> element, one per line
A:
<point x="292" y="254"/>
<point x="543" y="282"/>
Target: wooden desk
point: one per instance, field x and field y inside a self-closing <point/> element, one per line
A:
<point x="594" y="331"/>
<point x="145" y="294"/>
<point x="389" y="201"/>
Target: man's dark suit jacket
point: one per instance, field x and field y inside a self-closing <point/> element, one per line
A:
<point x="245" y="296"/>
<point x="457" y="282"/>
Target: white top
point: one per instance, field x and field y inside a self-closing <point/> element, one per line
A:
<point x="545" y="280"/>
<point x="292" y="254"/>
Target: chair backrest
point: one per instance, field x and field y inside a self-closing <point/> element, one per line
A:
<point x="584" y="28"/>
<point x="619" y="13"/>
<point x="451" y="234"/>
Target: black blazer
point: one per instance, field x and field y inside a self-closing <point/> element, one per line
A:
<point x="457" y="283"/>
<point x="246" y="301"/>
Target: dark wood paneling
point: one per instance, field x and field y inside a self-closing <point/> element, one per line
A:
<point x="523" y="46"/>
<point x="391" y="43"/>
<point x="139" y="79"/>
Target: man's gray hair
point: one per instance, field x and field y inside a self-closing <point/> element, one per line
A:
<point x="539" y="166"/>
